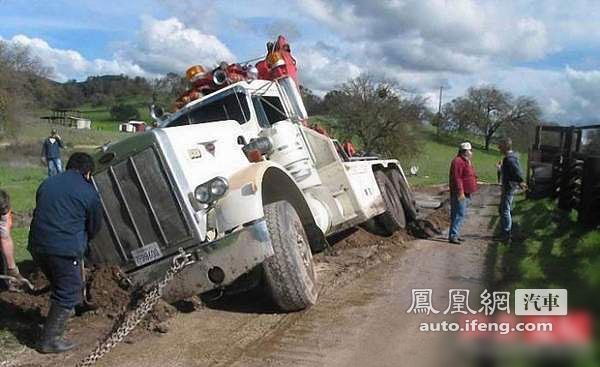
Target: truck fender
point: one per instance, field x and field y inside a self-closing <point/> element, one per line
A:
<point x="267" y="182"/>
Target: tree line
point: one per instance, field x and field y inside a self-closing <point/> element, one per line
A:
<point x="379" y="116"/>
<point x="382" y="117"/>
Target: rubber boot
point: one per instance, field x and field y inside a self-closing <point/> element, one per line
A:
<point x="52" y="338"/>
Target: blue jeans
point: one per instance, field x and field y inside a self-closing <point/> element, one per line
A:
<point x="458" y="213"/>
<point x="64" y="275"/>
<point x="54" y="166"/>
<point x="505" y="206"/>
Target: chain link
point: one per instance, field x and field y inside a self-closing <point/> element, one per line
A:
<point x="180" y="261"/>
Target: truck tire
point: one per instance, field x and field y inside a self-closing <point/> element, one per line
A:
<point x="393" y="218"/>
<point x="408" y="201"/>
<point x="290" y="276"/>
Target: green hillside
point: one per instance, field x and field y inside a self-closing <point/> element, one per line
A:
<point x="437" y="152"/>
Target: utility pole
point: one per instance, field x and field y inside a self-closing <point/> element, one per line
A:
<point x="439" y="114"/>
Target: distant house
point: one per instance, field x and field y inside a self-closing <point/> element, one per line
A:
<point x="132" y="126"/>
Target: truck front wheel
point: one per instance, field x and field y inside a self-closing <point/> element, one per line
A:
<point x="290" y="276"/>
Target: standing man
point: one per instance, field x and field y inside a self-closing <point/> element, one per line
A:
<point x="67" y="215"/>
<point x="463" y="183"/>
<point x="512" y="178"/>
<point x="6" y="242"/>
<point x="51" y="153"/>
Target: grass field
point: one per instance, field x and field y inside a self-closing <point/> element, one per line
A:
<point x="438" y="151"/>
<point x="102" y="120"/>
<point x="551" y="250"/>
<point x="21" y="183"/>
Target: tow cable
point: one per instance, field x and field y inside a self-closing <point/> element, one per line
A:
<point x="180" y="261"/>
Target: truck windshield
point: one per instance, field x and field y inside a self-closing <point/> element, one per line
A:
<point x="229" y="106"/>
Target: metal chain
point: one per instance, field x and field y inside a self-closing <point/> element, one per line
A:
<point x="136" y="316"/>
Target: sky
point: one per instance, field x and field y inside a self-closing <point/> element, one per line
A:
<point x="549" y="50"/>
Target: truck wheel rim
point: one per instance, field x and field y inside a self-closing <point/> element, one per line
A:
<point x="305" y="253"/>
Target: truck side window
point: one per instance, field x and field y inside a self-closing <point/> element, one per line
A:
<point x="263" y="120"/>
<point x="273" y="109"/>
<point x="180" y="121"/>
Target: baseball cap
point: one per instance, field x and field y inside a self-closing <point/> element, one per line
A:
<point x="465" y="146"/>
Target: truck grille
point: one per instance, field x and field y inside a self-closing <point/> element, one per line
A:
<point x="140" y="209"/>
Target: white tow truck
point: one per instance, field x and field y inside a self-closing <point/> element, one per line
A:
<point x="235" y="178"/>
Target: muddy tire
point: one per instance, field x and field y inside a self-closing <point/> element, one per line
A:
<point x="408" y="201"/>
<point x="393" y="218"/>
<point x="290" y="277"/>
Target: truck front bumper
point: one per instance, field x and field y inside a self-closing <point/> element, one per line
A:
<point x="218" y="263"/>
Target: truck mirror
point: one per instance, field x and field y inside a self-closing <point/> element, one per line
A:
<point x="157" y="112"/>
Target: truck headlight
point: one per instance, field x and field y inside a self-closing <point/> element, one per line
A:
<point x="218" y="187"/>
<point x="211" y="190"/>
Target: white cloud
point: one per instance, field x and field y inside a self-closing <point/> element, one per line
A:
<point x="163" y="46"/>
<point x="568" y="95"/>
<point x="69" y="64"/>
<point x="62" y="62"/>
<point x="322" y="68"/>
<point x="436" y="35"/>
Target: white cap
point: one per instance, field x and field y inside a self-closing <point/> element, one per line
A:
<point x="465" y="146"/>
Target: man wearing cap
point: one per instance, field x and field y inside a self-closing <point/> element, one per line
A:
<point x="51" y="153"/>
<point x="463" y="183"/>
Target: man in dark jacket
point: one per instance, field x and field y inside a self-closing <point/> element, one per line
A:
<point x="51" y="153"/>
<point x="512" y="178"/>
<point x="67" y="215"/>
<point x="463" y="183"/>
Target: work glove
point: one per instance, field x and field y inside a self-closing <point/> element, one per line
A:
<point x="19" y="281"/>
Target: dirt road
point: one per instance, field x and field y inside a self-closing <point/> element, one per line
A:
<point x="360" y="319"/>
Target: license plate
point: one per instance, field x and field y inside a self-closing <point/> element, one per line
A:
<point x="146" y="254"/>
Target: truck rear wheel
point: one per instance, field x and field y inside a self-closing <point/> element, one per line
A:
<point x="406" y="197"/>
<point x="290" y="276"/>
<point x="393" y="218"/>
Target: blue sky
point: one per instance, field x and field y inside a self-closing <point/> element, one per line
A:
<point x="546" y="49"/>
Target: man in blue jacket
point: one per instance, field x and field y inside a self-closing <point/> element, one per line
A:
<point x="51" y="153"/>
<point x="67" y="215"/>
<point x="512" y="178"/>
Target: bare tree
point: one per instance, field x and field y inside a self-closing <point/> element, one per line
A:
<point x="22" y="78"/>
<point x="166" y="89"/>
<point x="486" y="110"/>
<point x="377" y="114"/>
